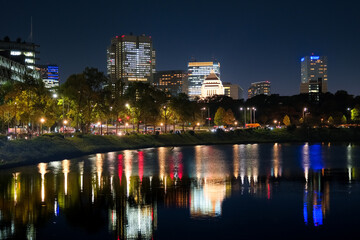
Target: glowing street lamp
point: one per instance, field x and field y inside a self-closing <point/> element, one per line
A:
<point x="198" y="124"/>
<point x="42" y="120"/>
<point x="304" y="111"/>
<point x="64" y="124"/>
<point x="243" y="109"/>
<point x="254" y="110"/>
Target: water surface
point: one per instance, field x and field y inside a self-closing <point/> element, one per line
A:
<point x="247" y="191"/>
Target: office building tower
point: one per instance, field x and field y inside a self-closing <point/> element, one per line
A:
<point x="14" y="71"/>
<point x="49" y="75"/>
<point x="314" y="76"/>
<point x="19" y="51"/>
<point x="211" y="86"/>
<point x="172" y="82"/>
<point x="233" y="90"/>
<point x="131" y="58"/>
<point x="259" y="88"/>
<point x="197" y="72"/>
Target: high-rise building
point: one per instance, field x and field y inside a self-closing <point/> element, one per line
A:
<point x="14" y="71"/>
<point x="211" y="86"/>
<point x="19" y="51"/>
<point x="131" y="58"/>
<point x="172" y="82"/>
<point x="259" y="88"/>
<point x="49" y="75"/>
<point x="233" y="90"/>
<point x="314" y="76"/>
<point x="197" y="72"/>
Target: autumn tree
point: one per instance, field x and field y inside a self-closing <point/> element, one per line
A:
<point x="220" y="116"/>
<point x="229" y="117"/>
<point x="286" y="120"/>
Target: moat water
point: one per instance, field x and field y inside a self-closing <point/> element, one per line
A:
<point x="246" y="191"/>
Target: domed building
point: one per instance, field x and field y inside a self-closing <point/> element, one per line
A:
<point x="212" y="85"/>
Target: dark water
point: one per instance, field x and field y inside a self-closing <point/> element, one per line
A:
<point x="251" y="191"/>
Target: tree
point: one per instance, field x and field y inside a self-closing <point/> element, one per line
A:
<point x="343" y="119"/>
<point x="229" y="117"/>
<point x="331" y="120"/>
<point x="286" y="120"/>
<point x="355" y="114"/>
<point x="219" y="116"/>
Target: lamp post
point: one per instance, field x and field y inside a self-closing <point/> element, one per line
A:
<point x="249" y="114"/>
<point x="42" y="120"/>
<point x="243" y="109"/>
<point x="165" y="117"/>
<point x="304" y="110"/>
<point x="126" y="125"/>
<point x="15" y="119"/>
<point x="202" y="114"/>
<point x="198" y="124"/>
<point x="254" y="110"/>
<point x="99" y="128"/>
<point x="64" y="124"/>
<point x="349" y="110"/>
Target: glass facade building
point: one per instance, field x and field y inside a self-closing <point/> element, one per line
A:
<point x="131" y="58"/>
<point x="171" y="82"/>
<point x="259" y="88"/>
<point x="314" y="76"/>
<point x="197" y="71"/>
<point x="50" y="75"/>
<point x="21" y="52"/>
<point x="14" y="71"/>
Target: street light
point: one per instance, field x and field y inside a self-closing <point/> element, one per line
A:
<point x="254" y="110"/>
<point x="243" y="109"/>
<point x="304" y="110"/>
<point x="64" y="124"/>
<point x="100" y="129"/>
<point x="42" y="120"/>
<point x="198" y="124"/>
<point x="126" y="125"/>
<point x="349" y="110"/>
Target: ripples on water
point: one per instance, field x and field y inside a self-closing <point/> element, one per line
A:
<point x="201" y="192"/>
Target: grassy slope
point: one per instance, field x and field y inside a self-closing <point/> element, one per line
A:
<point x="49" y="148"/>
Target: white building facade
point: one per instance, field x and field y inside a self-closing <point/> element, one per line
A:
<point x="211" y="86"/>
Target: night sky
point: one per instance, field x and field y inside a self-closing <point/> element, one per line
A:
<point x="253" y="40"/>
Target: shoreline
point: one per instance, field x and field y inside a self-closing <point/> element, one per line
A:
<point x="55" y="147"/>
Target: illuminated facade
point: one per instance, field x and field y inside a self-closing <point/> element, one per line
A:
<point x="131" y="58"/>
<point x="49" y="75"/>
<point x="14" y="71"/>
<point x="211" y="86"/>
<point x="197" y="72"/>
<point x="172" y="82"/>
<point x="259" y="88"/>
<point x="314" y="76"/>
<point x="233" y="90"/>
<point x="21" y="52"/>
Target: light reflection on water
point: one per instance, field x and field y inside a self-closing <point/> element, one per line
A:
<point x="136" y="188"/>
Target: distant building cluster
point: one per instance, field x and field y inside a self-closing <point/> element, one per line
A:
<point x="133" y="58"/>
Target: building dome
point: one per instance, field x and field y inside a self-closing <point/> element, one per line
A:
<point x="212" y="85"/>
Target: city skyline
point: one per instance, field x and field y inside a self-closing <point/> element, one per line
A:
<point x="252" y="41"/>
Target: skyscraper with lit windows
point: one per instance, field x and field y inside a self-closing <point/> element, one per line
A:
<point x="314" y="75"/>
<point x="197" y="71"/>
<point x="49" y="75"/>
<point x="258" y="88"/>
<point x="131" y="58"/>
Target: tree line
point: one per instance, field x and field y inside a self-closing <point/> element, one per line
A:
<point x="89" y="97"/>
